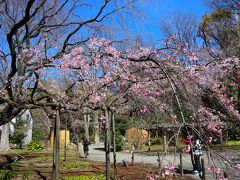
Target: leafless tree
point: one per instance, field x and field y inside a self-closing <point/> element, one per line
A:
<point x="224" y="4"/>
<point x="55" y="25"/>
<point x="182" y="25"/>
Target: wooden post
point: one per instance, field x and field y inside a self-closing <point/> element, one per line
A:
<point x="55" y="167"/>
<point x="96" y="128"/>
<point x="221" y="141"/>
<point x="149" y="143"/>
<point x="165" y="142"/>
<point x="159" y="161"/>
<point x="86" y="125"/>
<point x="107" y="145"/>
<point x="181" y="164"/>
<point x="132" y="158"/>
<point x="203" y="170"/>
<point x="114" y="145"/>
<point x="65" y="142"/>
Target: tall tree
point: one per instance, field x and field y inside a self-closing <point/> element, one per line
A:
<point x="50" y="29"/>
<point x="220" y="29"/>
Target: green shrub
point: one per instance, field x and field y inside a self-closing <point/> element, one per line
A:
<point x="39" y="135"/>
<point x="35" y="146"/>
<point x="7" y="172"/>
<point x="92" y="177"/>
<point x="119" y="141"/>
<point x="80" y="165"/>
<point x="25" y="176"/>
<point x="122" y="123"/>
<point x="17" y="138"/>
<point x="155" y="141"/>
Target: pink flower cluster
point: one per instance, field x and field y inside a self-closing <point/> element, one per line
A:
<point x="169" y="169"/>
<point x="237" y="167"/>
<point x="214" y="170"/>
<point x="154" y="177"/>
<point x="144" y="109"/>
<point x="97" y="97"/>
<point x="192" y="56"/>
<point x="209" y="140"/>
<point x="187" y="149"/>
<point x="212" y="120"/>
<point x="217" y="172"/>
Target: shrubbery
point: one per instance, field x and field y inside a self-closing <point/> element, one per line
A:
<point x="39" y="135"/>
<point x="7" y="172"/>
<point x="156" y="141"/>
<point x="119" y="141"/>
<point x="35" y="146"/>
<point x="17" y="138"/>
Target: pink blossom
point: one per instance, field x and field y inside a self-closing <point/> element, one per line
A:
<point x="237" y="167"/>
<point x="187" y="149"/>
<point x="97" y="97"/>
<point x="209" y="140"/>
<point x="21" y="77"/>
<point x="169" y="169"/>
<point x="192" y="56"/>
<point x="151" y="177"/>
<point x="214" y="126"/>
<point x="144" y="109"/>
<point x="214" y="170"/>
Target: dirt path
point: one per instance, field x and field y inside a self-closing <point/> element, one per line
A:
<point x="97" y="153"/>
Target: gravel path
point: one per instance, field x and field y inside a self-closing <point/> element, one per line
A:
<point x="97" y="153"/>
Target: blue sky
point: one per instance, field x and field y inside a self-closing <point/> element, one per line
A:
<point x="162" y="8"/>
<point x="194" y="6"/>
<point x="146" y="23"/>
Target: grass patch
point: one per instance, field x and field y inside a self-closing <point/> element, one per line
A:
<point x="233" y="143"/>
<point x="92" y="177"/>
<point x="77" y="165"/>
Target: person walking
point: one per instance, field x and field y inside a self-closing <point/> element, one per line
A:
<point x="85" y="147"/>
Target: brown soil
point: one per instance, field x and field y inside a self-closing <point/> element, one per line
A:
<point x="36" y="168"/>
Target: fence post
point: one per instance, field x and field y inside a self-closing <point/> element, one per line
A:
<point x="181" y="164"/>
<point x="203" y="170"/>
<point x="159" y="160"/>
<point x="132" y="158"/>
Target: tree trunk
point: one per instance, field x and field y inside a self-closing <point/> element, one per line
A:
<point x="65" y="142"/>
<point x="238" y="104"/>
<point x="78" y="148"/>
<point x="107" y="146"/>
<point x="96" y="129"/>
<point x="5" y="138"/>
<point x="165" y="142"/>
<point x="86" y="126"/>
<point x="55" y="167"/>
<point x="149" y="143"/>
<point x="114" y="145"/>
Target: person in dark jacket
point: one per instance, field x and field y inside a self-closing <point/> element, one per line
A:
<point x="85" y="147"/>
<point x="195" y="152"/>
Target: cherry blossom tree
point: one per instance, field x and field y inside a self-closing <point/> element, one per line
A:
<point x="44" y="44"/>
<point x="153" y="75"/>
